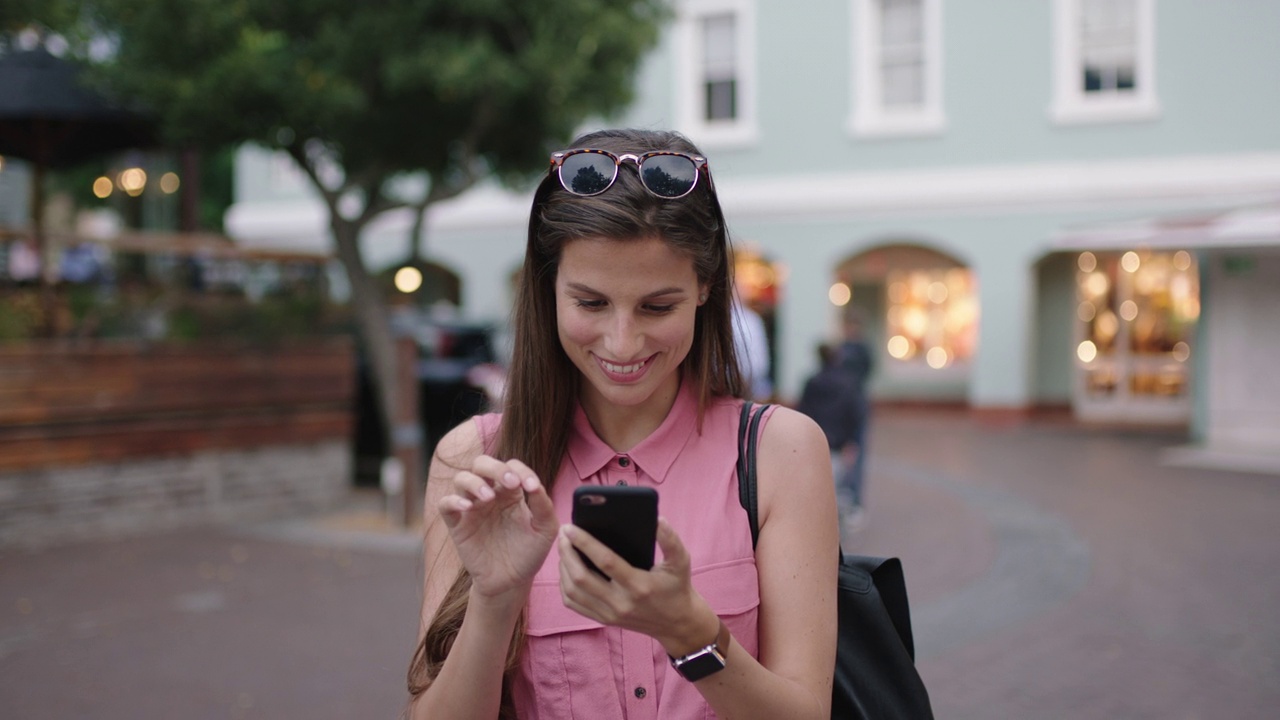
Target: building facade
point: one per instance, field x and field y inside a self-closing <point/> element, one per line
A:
<point x="970" y="179"/>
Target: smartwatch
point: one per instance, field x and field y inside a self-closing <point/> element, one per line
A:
<point x="704" y="661"/>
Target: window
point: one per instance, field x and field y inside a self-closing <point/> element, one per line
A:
<point x="719" y="68"/>
<point x="715" y="71"/>
<point x="1104" y="61"/>
<point x="897" y="59"/>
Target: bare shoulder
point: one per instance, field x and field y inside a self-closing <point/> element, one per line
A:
<point x="794" y="464"/>
<point x="791" y="436"/>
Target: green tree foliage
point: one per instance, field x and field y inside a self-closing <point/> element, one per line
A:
<point x="360" y="93"/>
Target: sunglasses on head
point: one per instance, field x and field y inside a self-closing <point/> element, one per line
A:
<point x="587" y="172"/>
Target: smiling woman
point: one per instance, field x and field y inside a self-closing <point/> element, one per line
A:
<point x="624" y="373"/>
<point x="625" y="311"/>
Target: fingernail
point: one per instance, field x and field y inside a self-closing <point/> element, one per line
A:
<point x="486" y="493"/>
<point x="510" y="480"/>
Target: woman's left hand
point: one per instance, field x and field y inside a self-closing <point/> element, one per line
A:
<point x="661" y="602"/>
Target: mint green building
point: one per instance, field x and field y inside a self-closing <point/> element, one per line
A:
<point x="1070" y="203"/>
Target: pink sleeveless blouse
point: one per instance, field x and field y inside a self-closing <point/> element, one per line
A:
<point x="576" y="668"/>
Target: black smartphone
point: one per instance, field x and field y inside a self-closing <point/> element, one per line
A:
<point x="621" y="516"/>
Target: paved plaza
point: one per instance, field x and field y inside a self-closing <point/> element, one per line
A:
<point x="1055" y="571"/>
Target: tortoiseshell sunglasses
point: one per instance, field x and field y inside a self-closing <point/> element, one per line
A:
<point x="586" y="171"/>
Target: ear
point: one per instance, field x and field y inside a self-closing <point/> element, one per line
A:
<point x="703" y="294"/>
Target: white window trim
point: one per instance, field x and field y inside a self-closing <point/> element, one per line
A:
<point x="743" y="130"/>
<point x="869" y="117"/>
<point x="1071" y="104"/>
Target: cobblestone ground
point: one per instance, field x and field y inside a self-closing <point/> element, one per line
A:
<point x="1054" y="571"/>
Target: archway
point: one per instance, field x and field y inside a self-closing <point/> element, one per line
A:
<point x="919" y="307"/>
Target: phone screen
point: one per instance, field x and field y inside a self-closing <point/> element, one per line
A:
<point x="623" y="517"/>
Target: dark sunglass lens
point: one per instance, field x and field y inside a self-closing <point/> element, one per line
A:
<point x="669" y="175"/>
<point x="587" y="173"/>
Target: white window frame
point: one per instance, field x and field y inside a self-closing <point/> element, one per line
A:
<point x="870" y="117"/>
<point x="1071" y="104"/>
<point x="743" y="129"/>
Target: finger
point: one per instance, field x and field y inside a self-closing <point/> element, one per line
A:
<point x="528" y="478"/>
<point x="609" y="562"/>
<point x="501" y="474"/>
<point x="580" y="587"/>
<point x="472" y="486"/>
<point x="674" y="554"/>
<point x="451" y="509"/>
<point x="544" y="518"/>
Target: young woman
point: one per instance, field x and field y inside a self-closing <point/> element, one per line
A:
<point x="624" y="373"/>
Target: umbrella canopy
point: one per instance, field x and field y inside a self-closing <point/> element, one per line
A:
<point x="50" y="117"/>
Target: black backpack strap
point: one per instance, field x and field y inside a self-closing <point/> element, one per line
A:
<point x="748" y="439"/>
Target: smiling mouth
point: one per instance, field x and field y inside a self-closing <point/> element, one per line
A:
<point x="622" y="369"/>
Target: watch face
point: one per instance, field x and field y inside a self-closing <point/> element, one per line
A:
<point x="701" y="665"/>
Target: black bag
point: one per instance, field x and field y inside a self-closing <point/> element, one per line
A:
<point x="875" y="673"/>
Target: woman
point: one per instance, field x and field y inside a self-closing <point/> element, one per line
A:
<point x="624" y="372"/>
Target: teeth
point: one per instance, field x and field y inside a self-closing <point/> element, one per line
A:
<point x="621" y="369"/>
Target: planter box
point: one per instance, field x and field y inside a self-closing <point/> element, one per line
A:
<point x="118" y="438"/>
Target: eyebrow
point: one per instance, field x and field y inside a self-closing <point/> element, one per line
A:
<point x="656" y="293"/>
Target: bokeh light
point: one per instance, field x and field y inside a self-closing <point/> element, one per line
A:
<point x="408" y="279"/>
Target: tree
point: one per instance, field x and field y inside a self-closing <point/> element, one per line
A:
<point x="362" y="95"/>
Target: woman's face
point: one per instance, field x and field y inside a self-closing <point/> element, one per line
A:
<point x="625" y="312"/>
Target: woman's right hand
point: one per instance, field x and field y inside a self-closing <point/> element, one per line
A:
<point x="501" y="522"/>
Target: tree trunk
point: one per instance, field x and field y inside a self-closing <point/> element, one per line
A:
<point x="380" y="351"/>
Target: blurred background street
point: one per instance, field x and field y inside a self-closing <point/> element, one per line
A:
<point x="256" y="258"/>
<point x="1054" y="571"/>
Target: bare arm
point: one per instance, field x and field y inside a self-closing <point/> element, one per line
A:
<point x="495" y="519"/>
<point x="796" y="557"/>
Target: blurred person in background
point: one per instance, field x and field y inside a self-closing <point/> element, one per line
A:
<point x="624" y="372"/>
<point x="831" y="399"/>
<point x="752" y="345"/>
<point x="855" y="358"/>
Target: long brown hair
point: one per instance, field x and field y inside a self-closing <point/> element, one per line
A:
<point x="542" y="388"/>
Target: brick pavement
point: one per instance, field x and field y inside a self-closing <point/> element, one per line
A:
<point x="1054" y="571"/>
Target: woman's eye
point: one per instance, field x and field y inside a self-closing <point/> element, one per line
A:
<point x="590" y="304"/>
<point x="659" y="309"/>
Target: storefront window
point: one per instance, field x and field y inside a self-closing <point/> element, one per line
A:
<point x="1138" y="311"/>
<point x="931" y="316"/>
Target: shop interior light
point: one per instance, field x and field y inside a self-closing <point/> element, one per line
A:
<point x="1087" y="262"/>
<point x="1130" y="261"/>
<point x="1181" y="351"/>
<point x="1182" y="260"/>
<point x="937" y="357"/>
<point x="169" y="183"/>
<point x="840" y="294"/>
<point x="1129" y="310"/>
<point x="1086" y="311"/>
<point x="899" y="347"/>
<point x="102" y="188"/>
<point x="1087" y="351"/>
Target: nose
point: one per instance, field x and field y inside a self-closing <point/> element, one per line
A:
<point x="624" y="339"/>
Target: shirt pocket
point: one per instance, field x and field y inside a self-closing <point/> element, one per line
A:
<point x="732" y="589"/>
<point x="566" y="669"/>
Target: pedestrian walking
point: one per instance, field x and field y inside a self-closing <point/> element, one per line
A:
<point x="857" y="361"/>
<point x="831" y="399"/>
<point x="624" y="372"/>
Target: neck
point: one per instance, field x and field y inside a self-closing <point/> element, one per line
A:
<point x="622" y="427"/>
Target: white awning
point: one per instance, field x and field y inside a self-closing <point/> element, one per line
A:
<point x="1250" y="227"/>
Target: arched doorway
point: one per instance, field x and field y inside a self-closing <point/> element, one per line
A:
<point x="919" y="308"/>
